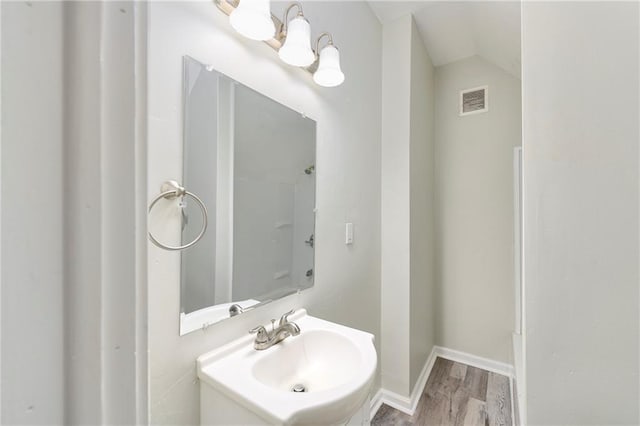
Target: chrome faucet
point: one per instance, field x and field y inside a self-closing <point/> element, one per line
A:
<point x="265" y="339"/>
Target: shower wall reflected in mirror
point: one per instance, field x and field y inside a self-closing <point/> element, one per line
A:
<point x="252" y="161"/>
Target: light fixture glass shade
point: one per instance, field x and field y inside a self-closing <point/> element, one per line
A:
<point x="252" y="19"/>
<point x="296" y="49"/>
<point x="329" y="73"/>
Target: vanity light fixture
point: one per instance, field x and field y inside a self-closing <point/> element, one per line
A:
<point x="296" y="49"/>
<point x="252" y="19"/>
<point x="328" y="73"/>
<point x="292" y="40"/>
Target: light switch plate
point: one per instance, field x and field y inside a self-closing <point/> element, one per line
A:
<point x="348" y="233"/>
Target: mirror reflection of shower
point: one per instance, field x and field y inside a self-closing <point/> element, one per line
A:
<point x="309" y="242"/>
<point x="246" y="153"/>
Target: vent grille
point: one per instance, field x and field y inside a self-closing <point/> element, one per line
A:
<point x="474" y="101"/>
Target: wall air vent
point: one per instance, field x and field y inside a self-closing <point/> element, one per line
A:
<point x="474" y="101"/>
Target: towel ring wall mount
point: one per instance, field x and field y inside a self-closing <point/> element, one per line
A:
<point x="171" y="190"/>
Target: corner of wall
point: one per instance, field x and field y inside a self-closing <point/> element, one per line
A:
<point x="395" y="214"/>
<point x="422" y="221"/>
<point x="408" y="240"/>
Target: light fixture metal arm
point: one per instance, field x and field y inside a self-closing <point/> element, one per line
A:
<point x="324" y="34"/>
<point x="285" y="18"/>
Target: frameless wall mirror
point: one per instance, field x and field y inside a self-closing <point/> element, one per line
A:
<point x="252" y="162"/>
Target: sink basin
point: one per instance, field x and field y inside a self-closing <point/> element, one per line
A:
<point x="333" y="363"/>
<point x="318" y="359"/>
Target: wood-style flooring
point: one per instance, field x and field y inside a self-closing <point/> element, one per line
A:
<point x="456" y="394"/>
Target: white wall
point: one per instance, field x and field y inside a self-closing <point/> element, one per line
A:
<point x="0" y="212"/>
<point x="474" y="210"/>
<point x="101" y="257"/>
<point x="82" y="219"/>
<point x="407" y="203"/>
<point x="422" y="216"/>
<point x="580" y="92"/>
<point x="395" y="275"/>
<point x="32" y="233"/>
<point x="140" y="189"/>
<point x="69" y="329"/>
<point x="122" y="336"/>
<point x="347" y="288"/>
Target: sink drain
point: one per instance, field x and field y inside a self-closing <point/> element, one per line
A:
<point x="298" y="388"/>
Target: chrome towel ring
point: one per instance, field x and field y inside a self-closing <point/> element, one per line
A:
<point x="169" y="191"/>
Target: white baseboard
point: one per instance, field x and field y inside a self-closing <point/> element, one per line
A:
<point x="376" y="403"/>
<point x="400" y="402"/>
<point x="475" y="361"/>
<point x="408" y="405"/>
<point x="397" y="401"/>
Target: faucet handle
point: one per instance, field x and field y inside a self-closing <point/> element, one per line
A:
<point x="262" y="336"/>
<point x="284" y="318"/>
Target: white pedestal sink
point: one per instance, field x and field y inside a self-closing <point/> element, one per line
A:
<point x="334" y="363"/>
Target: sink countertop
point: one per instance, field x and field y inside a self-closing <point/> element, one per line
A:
<point x="338" y="362"/>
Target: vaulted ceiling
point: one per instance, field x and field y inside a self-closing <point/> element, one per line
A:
<point x="454" y="30"/>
